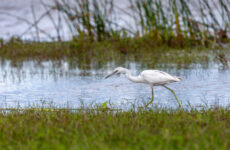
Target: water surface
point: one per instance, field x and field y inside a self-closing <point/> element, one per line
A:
<point x="31" y="82"/>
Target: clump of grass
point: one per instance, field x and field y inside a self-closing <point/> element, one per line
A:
<point x="170" y="22"/>
<point x="101" y="129"/>
<point x="183" y="22"/>
<point x="88" y="18"/>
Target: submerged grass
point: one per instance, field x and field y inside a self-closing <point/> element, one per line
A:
<point x="85" y="54"/>
<point x="101" y="129"/>
<point x="83" y="45"/>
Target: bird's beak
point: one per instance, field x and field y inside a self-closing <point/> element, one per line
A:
<point x="109" y="75"/>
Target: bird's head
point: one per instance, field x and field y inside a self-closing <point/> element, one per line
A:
<point x="118" y="70"/>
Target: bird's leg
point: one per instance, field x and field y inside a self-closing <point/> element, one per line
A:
<point x="151" y="99"/>
<point x="173" y="94"/>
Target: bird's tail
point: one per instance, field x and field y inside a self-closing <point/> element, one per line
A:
<point x="178" y="78"/>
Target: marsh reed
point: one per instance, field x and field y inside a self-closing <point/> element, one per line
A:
<point x="168" y="21"/>
<point x="88" y="17"/>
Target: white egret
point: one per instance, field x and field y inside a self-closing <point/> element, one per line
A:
<point x="151" y="77"/>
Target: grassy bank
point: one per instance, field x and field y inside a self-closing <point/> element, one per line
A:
<point x="143" y="129"/>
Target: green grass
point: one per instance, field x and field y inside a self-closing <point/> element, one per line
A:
<point x="171" y="21"/>
<point x="18" y="49"/>
<point x="89" y="129"/>
<point x="85" y="53"/>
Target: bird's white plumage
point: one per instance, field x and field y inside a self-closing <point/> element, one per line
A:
<point x="156" y="77"/>
<point x="151" y="77"/>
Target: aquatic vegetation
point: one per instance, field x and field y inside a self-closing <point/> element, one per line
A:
<point x="83" y="55"/>
<point x="88" y="18"/>
<point x="180" y="22"/>
<point x="170" y="22"/>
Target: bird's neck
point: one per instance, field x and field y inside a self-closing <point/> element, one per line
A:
<point x="133" y="78"/>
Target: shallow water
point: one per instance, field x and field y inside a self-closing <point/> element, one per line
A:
<point x="31" y="82"/>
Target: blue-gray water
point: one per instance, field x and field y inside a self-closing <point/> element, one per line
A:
<point x="30" y="82"/>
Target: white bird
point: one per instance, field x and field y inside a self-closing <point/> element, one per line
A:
<point x="151" y="77"/>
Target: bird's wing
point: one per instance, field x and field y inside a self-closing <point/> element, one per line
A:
<point x="157" y="77"/>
